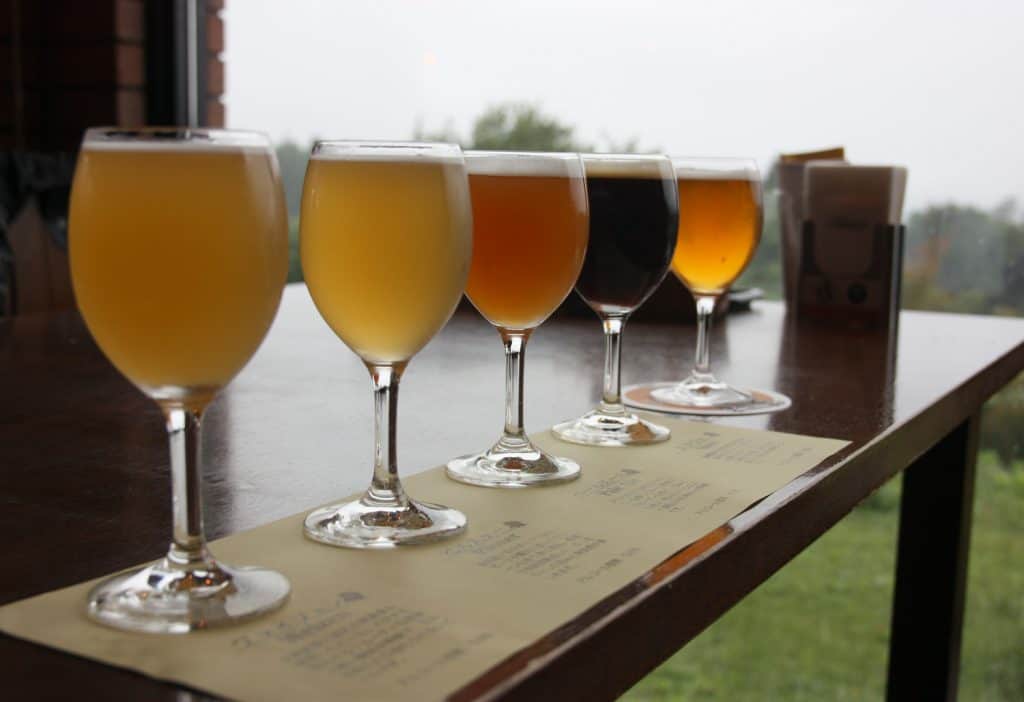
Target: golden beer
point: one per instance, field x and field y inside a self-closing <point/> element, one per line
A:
<point x="178" y="257"/>
<point x="529" y="242"/>
<point x="719" y="229"/>
<point x="385" y="248"/>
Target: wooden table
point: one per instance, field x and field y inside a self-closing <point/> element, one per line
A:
<point x="86" y="488"/>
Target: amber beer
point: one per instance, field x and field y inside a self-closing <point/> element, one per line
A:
<point x="530" y="222"/>
<point x="179" y="253"/>
<point x="385" y="246"/>
<point x="719" y="229"/>
<point x="529" y="242"/>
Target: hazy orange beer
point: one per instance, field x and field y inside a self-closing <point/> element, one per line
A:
<point x="179" y="253"/>
<point x="529" y="241"/>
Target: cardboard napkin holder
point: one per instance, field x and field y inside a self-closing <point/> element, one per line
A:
<point x="849" y="273"/>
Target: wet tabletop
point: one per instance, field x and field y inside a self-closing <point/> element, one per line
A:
<point x="83" y="457"/>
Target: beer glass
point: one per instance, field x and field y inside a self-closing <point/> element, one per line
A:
<point x="529" y="240"/>
<point x="634" y="216"/>
<point x="719" y="229"/>
<point x="179" y="253"/>
<point x="385" y="240"/>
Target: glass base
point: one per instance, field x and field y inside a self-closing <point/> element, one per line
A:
<point x="165" y="598"/>
<point x="512" y="464"/>
<point x="364" y="524"/>
<point x="702" y="393"/>
<point x="708" y="399"/>
<point x="601" y="428"/>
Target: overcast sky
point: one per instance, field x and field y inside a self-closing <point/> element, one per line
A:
<point x="935" y="85"/>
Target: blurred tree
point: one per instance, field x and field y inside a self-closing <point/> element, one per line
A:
<point x="961" y="254"/>
<point x="292" y="160"/>
<point x="446" y="134"/>
<point x="522" y="127"/>
<point x="965" y="259"/>
<point x="765" y="269"/>
<point x="1012" y="297"/>
<point x="1001" y="422"/>
<point x="517" y="126"/>
<point x="629" y="146"/>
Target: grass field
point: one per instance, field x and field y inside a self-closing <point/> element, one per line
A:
<point x="818" y="629"/>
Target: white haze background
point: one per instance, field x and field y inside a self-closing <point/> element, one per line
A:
<point x="936" y="86"/>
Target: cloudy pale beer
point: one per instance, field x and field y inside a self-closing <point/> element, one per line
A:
<point x="179" y="254"/>
<point x="719" y="229"/>
<point x="529" y="241"/>
<point x="385" y="246"/>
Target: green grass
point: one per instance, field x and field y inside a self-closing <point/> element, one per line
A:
<point x="819" y="628"/>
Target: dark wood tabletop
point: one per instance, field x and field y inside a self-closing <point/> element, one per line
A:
<point x="85" y="484"/>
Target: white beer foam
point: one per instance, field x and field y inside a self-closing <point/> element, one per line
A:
<point x="508" y="163"/>
<point x="171" y="146"/>
<point x="218" y="141"/>
<point x="397" y="152"/>
<point x="715" y="169"/>
<point x="628" y="166"/>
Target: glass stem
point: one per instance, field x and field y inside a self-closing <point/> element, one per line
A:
<point x="386" y="488"/>
<point x="515" y="358"/>
<point x="702" y="362"/>
<point x="183" y="432"/>
<point x="611" y="397"/>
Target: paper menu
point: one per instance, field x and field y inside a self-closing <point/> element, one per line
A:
<point x="426" y="620"/>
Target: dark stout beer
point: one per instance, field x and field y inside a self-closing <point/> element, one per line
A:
<point x="634" y="216"/>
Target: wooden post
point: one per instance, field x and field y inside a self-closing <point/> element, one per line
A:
<point x="931" y="569"/>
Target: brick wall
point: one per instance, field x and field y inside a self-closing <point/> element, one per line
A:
<point x="69" y="64"/>
<point x="214" y="63"/>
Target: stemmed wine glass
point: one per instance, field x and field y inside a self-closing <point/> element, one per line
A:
<point x="179" y="254"/>
<point x="529" y="241"/>
<point x="719" y="229"/>
<point x="386" y="240"/>
<point x="634" y="216"/>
